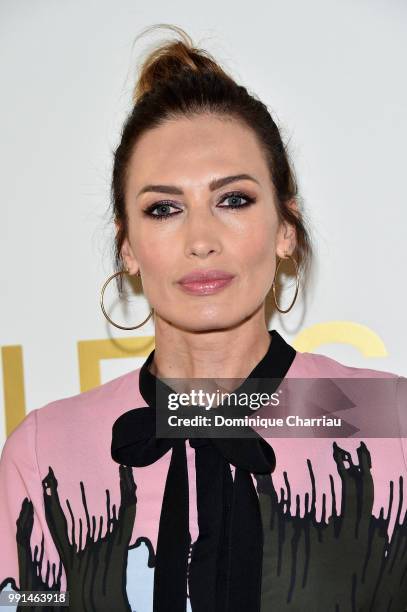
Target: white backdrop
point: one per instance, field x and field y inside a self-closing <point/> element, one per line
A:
<point x="333" y="75"/>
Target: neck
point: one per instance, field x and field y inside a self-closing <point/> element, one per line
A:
<point x="229" y="353"/>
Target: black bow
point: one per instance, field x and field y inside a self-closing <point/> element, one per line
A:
<point x="225" y="570"/>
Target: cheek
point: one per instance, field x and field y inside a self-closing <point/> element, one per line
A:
<point x="157" y="257"/>
<point x="152" y="251"/>
<point x="259" y="249"/>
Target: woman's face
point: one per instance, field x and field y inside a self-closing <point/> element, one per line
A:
<point x="189" y="159"/>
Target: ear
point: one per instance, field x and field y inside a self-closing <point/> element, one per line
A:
<point x="127" y="254"/>
<point x="286" y="239"/>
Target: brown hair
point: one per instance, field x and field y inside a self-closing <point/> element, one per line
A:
<point x="178" y="79"/>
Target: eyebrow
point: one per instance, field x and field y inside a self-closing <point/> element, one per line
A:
<point x="213" y="185"/>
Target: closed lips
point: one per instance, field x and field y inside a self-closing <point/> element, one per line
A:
<point x="205" y="276"/>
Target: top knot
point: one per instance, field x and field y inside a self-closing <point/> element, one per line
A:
<point x="170" y="58"/>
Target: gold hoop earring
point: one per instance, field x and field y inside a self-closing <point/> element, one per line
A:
<point x="296" y="288"/>
<point x="103" y="308"/>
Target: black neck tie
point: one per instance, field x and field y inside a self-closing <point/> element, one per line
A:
<point x="224" y="574"/>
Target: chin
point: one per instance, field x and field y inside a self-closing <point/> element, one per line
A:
<point x="206" y="324"/>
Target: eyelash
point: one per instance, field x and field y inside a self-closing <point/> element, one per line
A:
<point x="148" y="211"/>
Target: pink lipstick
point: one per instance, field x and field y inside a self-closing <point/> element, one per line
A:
<point x="205" y="282"/>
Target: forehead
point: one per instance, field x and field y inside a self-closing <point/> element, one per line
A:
<point x="196" y="149"/>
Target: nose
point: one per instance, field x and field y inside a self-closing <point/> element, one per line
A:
<point x="202" y="233"/>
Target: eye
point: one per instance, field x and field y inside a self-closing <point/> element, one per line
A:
<point x="237" y="195"/>
<point x="166" y="204"/>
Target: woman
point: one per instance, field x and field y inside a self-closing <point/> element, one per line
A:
<point x="95" y="504"/>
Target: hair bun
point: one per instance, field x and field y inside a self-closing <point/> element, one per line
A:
<point x="169" y="58"/>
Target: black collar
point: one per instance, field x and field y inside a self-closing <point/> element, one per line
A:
<point x="275" y="364"/>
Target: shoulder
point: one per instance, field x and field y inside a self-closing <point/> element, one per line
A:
<point x="315" y="365"/>
<point x="20" y="443"/>
<point x="119" y="392"/>
<point x="85" y="411"/>
<point x="371" y="384"/>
